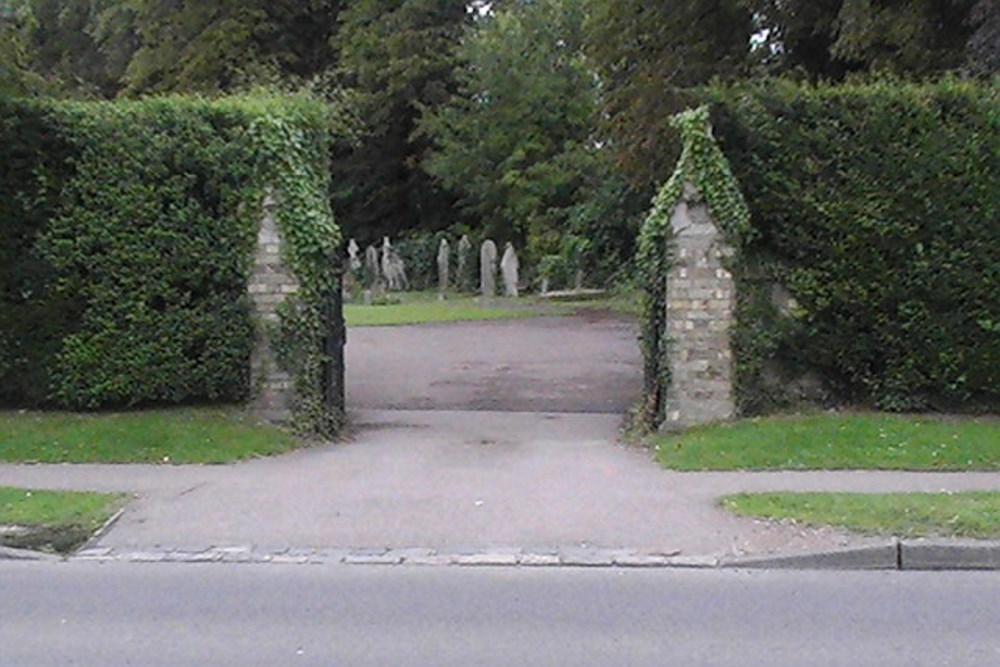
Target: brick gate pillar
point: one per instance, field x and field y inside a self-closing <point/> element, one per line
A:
<point x="700" y="301"/>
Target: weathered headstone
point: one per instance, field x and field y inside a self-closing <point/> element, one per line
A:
<point x="509" y="266"/>
<point x="372" y="274"/>
<point x="488" y="269"/>
<point x="393" y="269"/>
<point x="353" y="258"/>
<point x="443" y="265"/>
<point x="466" y="268"/>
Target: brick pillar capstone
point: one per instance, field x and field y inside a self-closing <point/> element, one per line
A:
<point x="700" y="299"/>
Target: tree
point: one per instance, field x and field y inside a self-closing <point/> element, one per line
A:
<point x="646" y="53"/>
<point x="517" y="140"/>
<point x="218" y="45"/>
<point x="396" y="57"/>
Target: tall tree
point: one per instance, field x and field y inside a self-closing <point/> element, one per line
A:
<point x="646" y="52"/>
<point x="213" y="45"/>
<point x="396" y="56"/>
<point x="513" y="138"/>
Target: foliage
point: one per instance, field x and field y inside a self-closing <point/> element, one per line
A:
<point x="517" y="140"/>
<point x="396" y="56"/>
<point x="129" y="231"/>
<point x="164" y="436"/>
<point x="972" y="515"/>
<point x="646" y="54"/>
<point x="703" y="166"/>
<point x="835" y="441"/>
<point x="876" y="206"/>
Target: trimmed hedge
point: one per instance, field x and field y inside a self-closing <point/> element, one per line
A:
<point x="127" y="233"/>
<point x="876" y="207"/>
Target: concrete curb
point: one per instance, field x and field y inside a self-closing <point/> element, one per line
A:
<point x="9" y="553"/>
<point x="909" y="555"/>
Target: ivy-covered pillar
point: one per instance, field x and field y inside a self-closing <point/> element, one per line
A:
<point x="699" y="317"/>
<point x="271" y="282"/>
<point x="687" y="248"/>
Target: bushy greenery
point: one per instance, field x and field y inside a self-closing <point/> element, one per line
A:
<point x="877" y="208"/>
<point x="127" y="233"/>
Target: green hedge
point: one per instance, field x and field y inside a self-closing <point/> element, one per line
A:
<point x="127" y="233"/>
<point x="878" y="207"/>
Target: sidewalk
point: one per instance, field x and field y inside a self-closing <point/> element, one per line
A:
<point x="463" y="483"/>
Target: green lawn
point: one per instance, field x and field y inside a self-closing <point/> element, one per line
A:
<point x="53" y="520"/>
<point x="974" y="515"/>
<point x="425" y="307"/>
<point x="427" y="311"/>
<point x="182" y="435"/>
<point x="843" y="441"/>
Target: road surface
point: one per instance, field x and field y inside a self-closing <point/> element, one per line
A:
<point x="153" y="615"/>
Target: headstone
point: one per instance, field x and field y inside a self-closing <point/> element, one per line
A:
<point x="443" y="262"/>
<point x="509" y="267"/>
<point x="488" y="269"/>
<point x="372" y="274"/>
<point x="466" y="269"/>
<point x="393" y="269"/>
<point x="353" y="260"/>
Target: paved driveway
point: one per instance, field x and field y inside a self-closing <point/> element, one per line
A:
<point x="589" y="363"/>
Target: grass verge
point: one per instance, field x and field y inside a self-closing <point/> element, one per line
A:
<point x="846" y="441"/>
<point x="426" y="311"/>
<point x="182" y="435"/>
<point x="973" y="515"/>
<point x="53" y="520"/>
<point x="425" y="308"/>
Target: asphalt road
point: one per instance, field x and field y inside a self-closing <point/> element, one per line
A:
<point x="228" y="615"/>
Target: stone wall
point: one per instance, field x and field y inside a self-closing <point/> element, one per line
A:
<point x="700" y="300"/>
<point x="271" y="282"/>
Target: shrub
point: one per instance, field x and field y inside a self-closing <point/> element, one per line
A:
<point x="878" y="207"/>
<point x="127" y="233"/>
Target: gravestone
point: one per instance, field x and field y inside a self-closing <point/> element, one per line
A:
<point x="372" y="276"/>
<point x="700" y="302"/>
<point x="393" y="269"/>
<point x="466" y="268"/>
<point x="353" y="259"/>
<point x="443" y="266"/>
<point x="509" y="266"/>
<point x="488" y="269"/>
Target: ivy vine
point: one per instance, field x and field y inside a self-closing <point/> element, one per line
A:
<point x="703" y="165"/>
<point x="294" y="163"/>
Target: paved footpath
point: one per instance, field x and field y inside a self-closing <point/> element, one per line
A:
<point x="519" y="486"/>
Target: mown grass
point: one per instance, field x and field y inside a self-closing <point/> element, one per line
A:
<point x="53" y="520"/>
<point x="428" y="311"/>
<point x="426" y="307"/>
<point x="972" y="515"/>
<point x="182" y="435"/>
<point x="843" y="441"/>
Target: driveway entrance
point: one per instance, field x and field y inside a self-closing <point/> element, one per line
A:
<point x="587" y="363"/>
